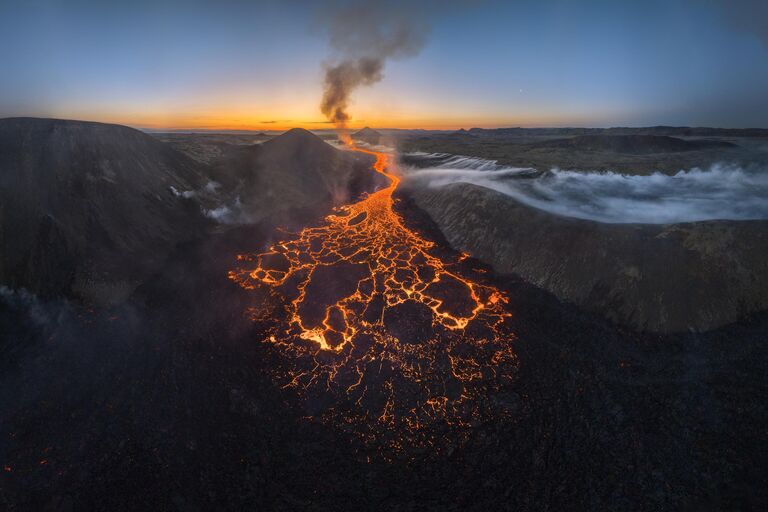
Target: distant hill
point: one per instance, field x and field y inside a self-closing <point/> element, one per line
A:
<point x="296" y="170"/>
<point x="368" y="135"/>
<point x="626" y="150"/>
<point x="635" y="143"/>
<point x="672" y="131"/>
<point x="89" y="209"/>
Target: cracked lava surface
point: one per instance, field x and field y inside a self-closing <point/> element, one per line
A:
<point x="377" y="332"/>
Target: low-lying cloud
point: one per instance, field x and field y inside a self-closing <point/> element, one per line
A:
<point x="720" y="192"/>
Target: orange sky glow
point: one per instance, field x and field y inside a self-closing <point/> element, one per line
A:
<point x="274" y="122"/>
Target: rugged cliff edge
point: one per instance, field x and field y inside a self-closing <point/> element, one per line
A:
<point x="667" y="278"/>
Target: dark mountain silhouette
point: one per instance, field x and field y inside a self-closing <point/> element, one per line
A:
<point x="634" y="143"/>
<point x="672" y="131"/>
<point x="89" y="209"/>
<point x="368" y="135"/>
<point x="635" y="151"/>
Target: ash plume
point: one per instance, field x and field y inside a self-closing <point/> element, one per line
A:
<point x="364" y="36"/>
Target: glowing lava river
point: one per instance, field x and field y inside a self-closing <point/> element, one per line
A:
<point x="376" y="331"/>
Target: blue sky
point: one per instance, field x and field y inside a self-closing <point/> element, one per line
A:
<point x="246" y="64"/>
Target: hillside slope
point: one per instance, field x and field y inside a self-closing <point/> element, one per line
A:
<point x="674" y="277"/>
<point x="89" y="209"/>
<point x="296" y="170"/>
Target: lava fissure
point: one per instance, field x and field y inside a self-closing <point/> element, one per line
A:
<point x="374" y="316"/>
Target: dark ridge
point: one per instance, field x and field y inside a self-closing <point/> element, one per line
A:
<point x="299" y="141"/>
<point x="634" y="143"/>
<point x="672" y="131"/>
<point x="298" y="132"/>
<point x="655" y="277"/>
<point x="90" y="207"/>
<point x="368" y="135"/>
<point x="297" y="169"/>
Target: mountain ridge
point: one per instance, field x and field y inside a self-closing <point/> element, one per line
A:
<point x="90" y="208"/>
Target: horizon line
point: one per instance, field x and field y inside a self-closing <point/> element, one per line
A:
<point x="310" y="127"/>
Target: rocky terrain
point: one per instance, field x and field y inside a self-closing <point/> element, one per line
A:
<point x="635" y="144"/>
<point x="168" y="403"/>
<point x="674" y="277"/>
<point x="90" y="209"/>
<point x="627" y="150"/>
<point x="295" y="171"/>
<point x="207" y="147"/>
<point x="174" y="398"/>
<point x="368" y="135"/>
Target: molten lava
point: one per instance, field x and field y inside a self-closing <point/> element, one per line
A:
<point x="398" y="339"/>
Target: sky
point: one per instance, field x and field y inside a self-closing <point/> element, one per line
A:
<point x="260" y="64"/>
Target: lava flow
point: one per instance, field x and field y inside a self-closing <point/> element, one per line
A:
<point x="378" y="332"/>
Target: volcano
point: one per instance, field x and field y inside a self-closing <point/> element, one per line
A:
<point x="364" y="288"/>
<point x="356" y="359"/>
<point x="296" y="170"/>
<point x="368" y="135"/>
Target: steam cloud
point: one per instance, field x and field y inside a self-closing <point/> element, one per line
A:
<point x="364" y="36"/>
<point x="720" y="192"/>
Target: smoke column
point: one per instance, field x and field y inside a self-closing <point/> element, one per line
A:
<point x="364" y="36"/>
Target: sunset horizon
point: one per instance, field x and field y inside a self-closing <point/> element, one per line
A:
<point x="328" y="126"/>
<point x="260" y="65"/>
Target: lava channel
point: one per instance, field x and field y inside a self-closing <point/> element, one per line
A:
<point x="377" y="332"/>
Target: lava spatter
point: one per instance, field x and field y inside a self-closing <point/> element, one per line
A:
<point x="380" y="333"/>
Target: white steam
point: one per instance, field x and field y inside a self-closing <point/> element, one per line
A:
<point x="227" y="214"/>
<point x="720" y="192"/>
<point x="210" y="188"/>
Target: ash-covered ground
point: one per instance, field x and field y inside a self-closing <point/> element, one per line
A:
<point x="168" y="403"/>
<point x="176" y="399"/>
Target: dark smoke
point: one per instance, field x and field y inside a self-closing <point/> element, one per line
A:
<point x="364" y="36"/>
<point x="342" y="79"/>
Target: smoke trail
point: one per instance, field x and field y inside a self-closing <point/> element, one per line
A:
<point x="341" y="80"/>
<point x="364" y="36"/>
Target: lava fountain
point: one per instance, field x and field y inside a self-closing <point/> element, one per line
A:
<point x="378" y="332"/>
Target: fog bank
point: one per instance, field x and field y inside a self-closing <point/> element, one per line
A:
<point x="719" y="192"/>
